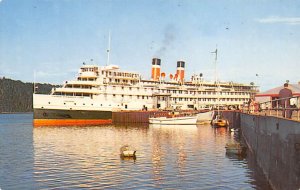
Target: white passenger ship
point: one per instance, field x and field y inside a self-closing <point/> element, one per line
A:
<point x="100" y="90"/>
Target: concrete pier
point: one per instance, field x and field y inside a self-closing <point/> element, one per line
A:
<point x="275" y="143"/>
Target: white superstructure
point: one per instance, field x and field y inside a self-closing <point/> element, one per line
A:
<point x="108" y="88"/>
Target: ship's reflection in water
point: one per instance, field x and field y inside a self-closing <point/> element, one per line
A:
<point x="168" y="157"/>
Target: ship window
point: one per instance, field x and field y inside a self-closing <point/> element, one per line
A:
<point x="92" y="104"/>
<point x="122" y="95"/>
<point x="100" y="104"/>
<point x="74" y="103"/>
<point x="125" y="106"/>
<point x="48" y="102"/>
<point x="64" y="103"/>
<point x="83" y="104"/>
<point x="114" y="95"/>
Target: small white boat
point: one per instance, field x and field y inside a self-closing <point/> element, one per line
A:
<point x="184" y="120"/>
<point x="127" y="151"/>
<point x="205" y="117"/>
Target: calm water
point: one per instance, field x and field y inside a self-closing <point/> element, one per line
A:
<point x="181" y="157"/>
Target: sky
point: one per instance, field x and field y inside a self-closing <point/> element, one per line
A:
<point x="48" y="40"/>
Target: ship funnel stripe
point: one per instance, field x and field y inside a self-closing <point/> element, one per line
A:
<point x="181" y="64"/>
<point x="156" y="61"/>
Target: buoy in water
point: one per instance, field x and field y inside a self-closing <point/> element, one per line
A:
<point x="127" y="151"/>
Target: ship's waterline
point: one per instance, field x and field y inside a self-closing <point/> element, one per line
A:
<point x="46" y="117"/>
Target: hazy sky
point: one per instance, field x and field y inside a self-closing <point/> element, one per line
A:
<point x="53" y="37"/>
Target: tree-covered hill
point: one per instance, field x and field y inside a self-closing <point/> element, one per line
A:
<point x="16" y="96"/>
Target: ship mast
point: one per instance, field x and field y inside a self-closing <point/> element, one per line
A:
<point x="108" y="49"/>
<point x="216" y="57"/>
<point x="216" y="82"/>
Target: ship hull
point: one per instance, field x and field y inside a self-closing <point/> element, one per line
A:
<point x="55" y="117"/>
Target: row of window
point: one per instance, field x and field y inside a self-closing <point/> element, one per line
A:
<point x="186" y="91"/>
<point x="82" y="104"/>
<point x="89" y="69"/>
<point x="183" y="99"/>
<point x="121" y="74"/>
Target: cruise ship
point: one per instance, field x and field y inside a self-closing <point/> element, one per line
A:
<point x="98" y="91"/>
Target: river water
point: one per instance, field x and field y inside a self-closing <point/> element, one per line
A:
<point x="168" y="157"/>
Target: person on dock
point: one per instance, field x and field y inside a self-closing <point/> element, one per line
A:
<point x="251" y="105"/>
<point x="285" y="95"/>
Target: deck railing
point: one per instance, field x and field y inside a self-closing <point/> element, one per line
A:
<point x="274" y="108"/>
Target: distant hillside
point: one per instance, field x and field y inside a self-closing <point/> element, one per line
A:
<point x="16" y="96"/>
